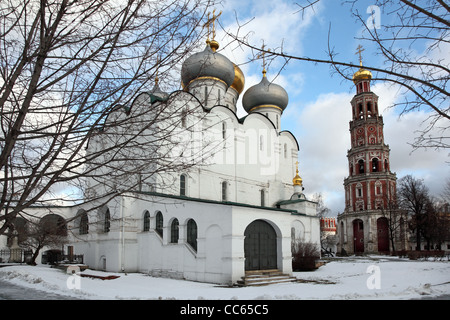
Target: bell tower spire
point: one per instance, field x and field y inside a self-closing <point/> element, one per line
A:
<point x="370" y="186"/>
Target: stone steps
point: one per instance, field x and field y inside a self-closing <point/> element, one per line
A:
<point x="264" y="277"/>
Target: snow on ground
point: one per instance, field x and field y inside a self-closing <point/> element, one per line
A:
<point x="342" y="278"/>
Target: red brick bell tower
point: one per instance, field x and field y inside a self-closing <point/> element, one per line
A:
<point x="370" y="185"/>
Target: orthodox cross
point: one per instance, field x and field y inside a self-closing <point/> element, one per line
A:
<point x="157" y="69"/>
<point x="211" y="21"/>
<point x="263" y="56"/>
<point x="358" y="51"/>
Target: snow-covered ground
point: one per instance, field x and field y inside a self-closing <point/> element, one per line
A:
<point x="345" y="278"/>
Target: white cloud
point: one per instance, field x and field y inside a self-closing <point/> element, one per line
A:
<point x="275" y="22"/>
<point x="324" y="140"/>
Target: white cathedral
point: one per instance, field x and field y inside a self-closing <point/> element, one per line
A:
<point x="240" y="207"/>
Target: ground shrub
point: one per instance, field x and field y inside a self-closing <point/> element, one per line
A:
<point x="304" y="256"/>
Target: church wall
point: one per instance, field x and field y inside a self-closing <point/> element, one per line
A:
<point x="158" y="256"/>
<point x="219" y="257"/>
<point x="283" y="223"/>
<point x="242" y="161"/>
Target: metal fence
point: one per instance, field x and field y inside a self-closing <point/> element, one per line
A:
<point x="57" y="257"/>
<point x="15" y="255"/>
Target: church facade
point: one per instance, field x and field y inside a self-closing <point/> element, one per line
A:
<point x="239" y="210"/>
<point x="221" y="197"/>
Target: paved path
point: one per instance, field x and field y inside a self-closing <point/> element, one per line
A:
<point x="9" y="291"/>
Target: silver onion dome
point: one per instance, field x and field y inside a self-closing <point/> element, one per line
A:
<point x="207" y="64"/>
<point x="265" y="94"/>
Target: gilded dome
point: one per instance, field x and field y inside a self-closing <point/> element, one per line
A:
<point x="265" y="94"/>
<point x="362" y="74"/>
<point x="297" y="181"/>
<point x="239" y="80"/>
<point x="207" y="64"/>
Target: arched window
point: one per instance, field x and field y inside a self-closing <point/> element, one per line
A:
<point x="159" y="223"/>
<point x="224" y="130"/>
<point x="107" y="221"/>
<point x="360" y="108"/>
<point x="146" y="221"/>
<point x="374" y="165"/>
<point x="369" y="107"/>
<point x="174" y="231"/>
<point x="378" y="188"/>
<point x="192" y="234"/>
<point x="183" y="185"/>
<point x="224" y="191"/>
<point x="361" y="166"/>
<point x="84" y="223"/>
<point x="359" y="192"/>
<point x="183" y="118"/>
<point x="53" y="224"/>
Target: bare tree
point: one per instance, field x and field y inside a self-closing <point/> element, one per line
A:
<point x="413" y="197"/>
<point x="322" y="210"/>
<point x="70" y="70"/>
<point x="397" y="219"/>
<point x="446" y="192"/>
<point x="51" y="231"/>
<point x="423" y="77"/>
<point x="437" y="224"/>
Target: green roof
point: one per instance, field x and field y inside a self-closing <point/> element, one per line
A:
<point x="230" y="203"/>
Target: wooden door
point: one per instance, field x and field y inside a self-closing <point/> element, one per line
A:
<point x="358" y="236"/>
<point x="383" y="234"/>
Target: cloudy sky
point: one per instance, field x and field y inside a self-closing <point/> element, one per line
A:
<point x="319" y="109"/>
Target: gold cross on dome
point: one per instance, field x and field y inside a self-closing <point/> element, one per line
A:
<point x="358" y="51"/>
<point x="211" y="21"/>
<point x="263" y="56"/>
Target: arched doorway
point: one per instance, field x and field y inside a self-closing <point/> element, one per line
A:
<point x="358" y="236"/>
<point x="383" y="234"/>
<point x="260" y="246"/>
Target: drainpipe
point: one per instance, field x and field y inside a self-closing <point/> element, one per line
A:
<point x="122" y="233"/>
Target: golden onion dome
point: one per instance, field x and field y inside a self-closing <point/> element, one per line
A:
<point x="362" y="74"/>
<point x="297" y="181"/>
<point x="239" y="80"/>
